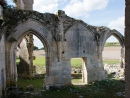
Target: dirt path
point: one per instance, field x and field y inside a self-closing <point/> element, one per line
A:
<point x="112" y="52"/>
<point x="108" y="53"/>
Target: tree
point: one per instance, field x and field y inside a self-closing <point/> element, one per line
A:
<point x="35" y="48"/>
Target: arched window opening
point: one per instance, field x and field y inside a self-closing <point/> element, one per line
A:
<point x="113" y="58"/>
<point x="31" y="69"/>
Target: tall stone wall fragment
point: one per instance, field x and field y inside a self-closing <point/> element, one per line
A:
<point x="127" y="48"/>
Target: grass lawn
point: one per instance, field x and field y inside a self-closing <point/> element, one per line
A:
<point x="37" y="83"/>
<point x="104" y="89"/>
<point x="98" y="89"/>
<point x="111" y="61"/>
<point x="108" y="44"/>
<point x="39" y="61"/>
<point x="76" y="62"/>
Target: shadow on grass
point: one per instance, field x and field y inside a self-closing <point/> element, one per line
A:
<point x="109" y="88"/>
<point x="76" y="75"/>
<point x="37" y="82"/>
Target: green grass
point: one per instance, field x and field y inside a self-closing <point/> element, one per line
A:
<point x="40" y="61"/>
<point x="108" y="44"/>
<point x="98" y="89"/>
<point x="37" y="83"/>
<point x="17" y="60"/>
<point x="111" y="61"/>
<point x="77" y="78"/>
<point x="77" y="63"/>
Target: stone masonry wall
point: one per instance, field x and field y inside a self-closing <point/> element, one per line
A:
<point x="64" y="38"/>
<point x="127" y="48"/>
<point x="2" y="66"/>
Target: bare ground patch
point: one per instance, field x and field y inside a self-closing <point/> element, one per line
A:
<point x="109" y="53"/>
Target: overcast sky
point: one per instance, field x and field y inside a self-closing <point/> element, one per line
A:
<point x="109" y="13"/>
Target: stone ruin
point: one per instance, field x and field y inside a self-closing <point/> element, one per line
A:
<point x="63" y="38"/>
<point x="115" y="71"/>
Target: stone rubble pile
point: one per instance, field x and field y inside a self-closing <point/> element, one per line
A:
<point x="115" y="70"/>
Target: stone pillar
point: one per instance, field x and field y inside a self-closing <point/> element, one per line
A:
<point x="84" y="69"/>
<point x="1" y="13"/>
<point x="28" y="61"/>
<point x="24" y="4"/>
<point x="3" y="74"/>
<point x="60" y="31"/>
<point x="7" y="69"/>
<point x="2" y="66"/>
<point x="23" y="67"/>
<point x="30" y="46"/>
<point x="93" y="70"/>
<point x="47" y="59"/>
<point x="127" y="48"/>
<point x="122" y="63"/>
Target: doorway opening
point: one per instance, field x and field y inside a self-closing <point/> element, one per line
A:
<point x="78" y="71"/>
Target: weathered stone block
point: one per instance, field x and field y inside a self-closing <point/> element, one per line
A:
<point x="55" y="68"/>
<point x="49" y="80"/>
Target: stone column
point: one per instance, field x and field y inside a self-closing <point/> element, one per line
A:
<point x="84" y="73"/>
<point x="24" y="4"/>
<point x="30" y="46"/>
<point x="23" y="67"/>
<point x="122" y="63"/>
<point x="127" y="48"/>
<point x="27" y="5"/>
<point x="60" y="31"/>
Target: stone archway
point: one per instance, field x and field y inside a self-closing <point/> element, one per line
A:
<point x="120" y="38"/>
<point x="36" y="28"/>
<point x="105" y="35"/>
<point x="108" y="33"/>
<point x="25" y="67"/>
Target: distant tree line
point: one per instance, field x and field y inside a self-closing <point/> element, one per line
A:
<point x="112" y="44"/>
<point x="36" y="48"/>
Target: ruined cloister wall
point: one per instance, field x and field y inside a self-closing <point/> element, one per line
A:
<point x="78" y="42"/>
<point x="40" y="31"/>
<point x="59" y="52"/>
<point x="64" y="38"/>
